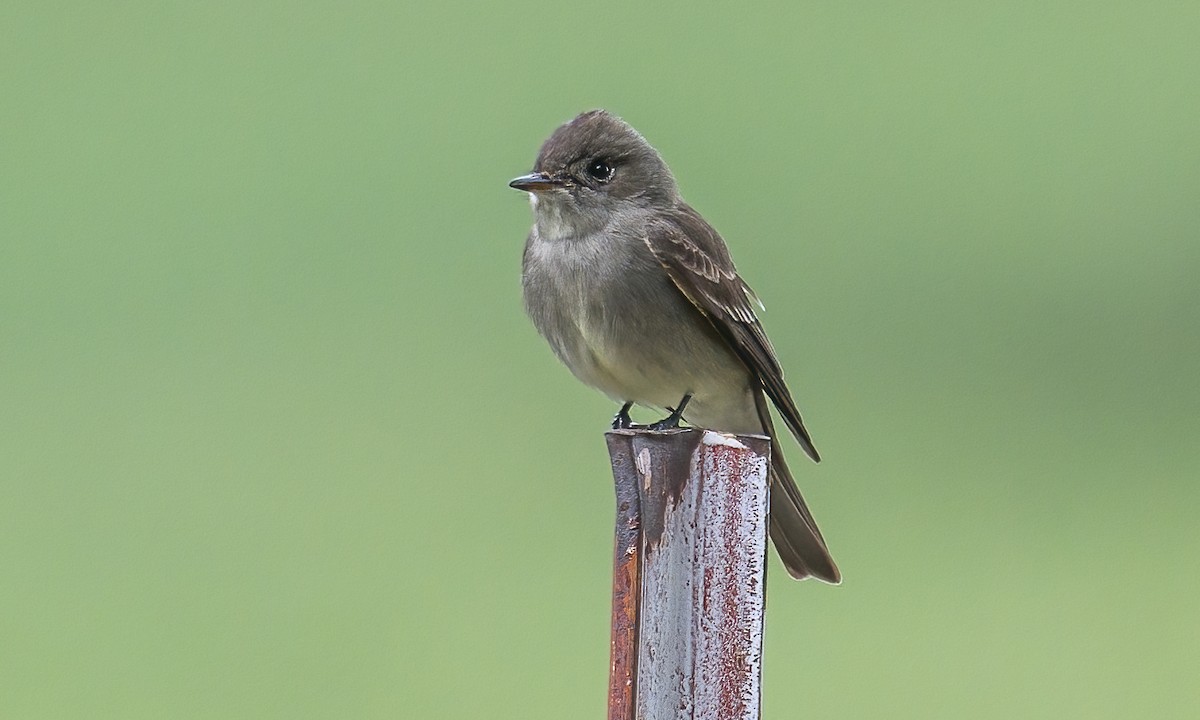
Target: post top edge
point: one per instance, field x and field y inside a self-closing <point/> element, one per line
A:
<point x="644" y="432"/>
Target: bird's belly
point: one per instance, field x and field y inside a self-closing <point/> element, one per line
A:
<point x="615" y="366"/>
<point x="654" y="361"/>
<point x="719" y="385"/>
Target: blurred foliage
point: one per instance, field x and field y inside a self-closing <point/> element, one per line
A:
<point x="277" y="441"/>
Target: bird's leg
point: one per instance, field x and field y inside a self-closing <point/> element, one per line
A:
<point x="622" y="421"/>
<point x="671" y="422"/>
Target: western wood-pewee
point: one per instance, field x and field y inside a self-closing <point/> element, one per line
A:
<point x="639" y="297"/>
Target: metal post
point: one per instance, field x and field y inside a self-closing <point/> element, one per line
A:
<point x="689" y="570"/>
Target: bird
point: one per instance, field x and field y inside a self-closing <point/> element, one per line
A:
<point x="639" y="297"/>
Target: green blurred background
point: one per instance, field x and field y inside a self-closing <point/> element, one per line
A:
<point x="276" y="440"/>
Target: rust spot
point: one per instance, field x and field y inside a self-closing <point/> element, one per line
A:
<point x="626" y="585"/>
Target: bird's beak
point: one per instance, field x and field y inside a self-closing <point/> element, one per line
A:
<point x="536" y="182"/>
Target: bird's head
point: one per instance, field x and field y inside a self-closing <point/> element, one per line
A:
<point x="591" y="168"/>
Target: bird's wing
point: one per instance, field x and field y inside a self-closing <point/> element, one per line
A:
<point x="697" y="261"/>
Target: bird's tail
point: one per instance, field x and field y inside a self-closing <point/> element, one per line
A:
<point x="793" y="529"/>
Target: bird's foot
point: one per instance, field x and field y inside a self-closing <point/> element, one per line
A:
<point x="671" y="422"/>
<point x="622" y="421"/>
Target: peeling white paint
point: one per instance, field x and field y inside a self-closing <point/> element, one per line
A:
<point x="643" y="465"/>
<point x="716" y="438"/>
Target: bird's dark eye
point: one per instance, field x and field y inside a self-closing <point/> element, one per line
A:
<point x="600" y="171"/>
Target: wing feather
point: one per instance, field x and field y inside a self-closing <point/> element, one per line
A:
<point x="698" y="263"/>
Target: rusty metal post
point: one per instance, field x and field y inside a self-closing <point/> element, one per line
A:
<point x="689" y="570"/>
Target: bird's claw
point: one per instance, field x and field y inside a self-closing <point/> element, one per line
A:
<point x="671" y="422"/>
<point x="668" y="423"/>
<point x="622" y="421"/>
